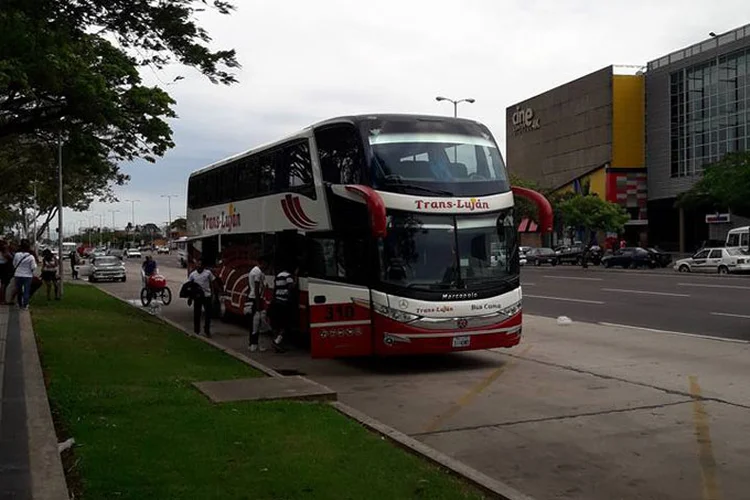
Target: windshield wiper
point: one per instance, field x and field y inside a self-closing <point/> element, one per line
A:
<point x="395" y="180"/>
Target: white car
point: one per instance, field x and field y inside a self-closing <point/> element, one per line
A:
<point x="107" y="268"/>
<point x="133" y="253"/>
<point x="715" y="260"/>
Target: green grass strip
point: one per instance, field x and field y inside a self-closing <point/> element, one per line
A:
<point x="119" y="382"/>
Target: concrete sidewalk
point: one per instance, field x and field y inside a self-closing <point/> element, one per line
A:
<point x="30" y="464"/>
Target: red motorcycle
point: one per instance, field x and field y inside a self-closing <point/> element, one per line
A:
<point x="155" y="286"/>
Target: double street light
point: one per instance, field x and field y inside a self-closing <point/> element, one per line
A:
<point x="455" y="102"/>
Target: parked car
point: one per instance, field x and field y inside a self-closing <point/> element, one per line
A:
<point x="521" y="259"/>
<point x="107" y="267"/>
<point x="630" y="257"/>
<point x="539" y="256"/>
<point x="133" y="253"/>
<point x="715" y="260"/>
<point x="162" y="249"/>
<point x="662" y="258"/>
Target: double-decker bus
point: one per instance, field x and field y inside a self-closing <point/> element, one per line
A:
<point x="402" y="229"/>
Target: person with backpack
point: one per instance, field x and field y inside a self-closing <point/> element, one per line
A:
<point x="24" y="265"/>
<point x="199" y="290"/>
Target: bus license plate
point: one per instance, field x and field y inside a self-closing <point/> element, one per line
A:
<point x="461" y="341"/>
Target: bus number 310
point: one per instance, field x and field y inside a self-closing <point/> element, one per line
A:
<point x="340" y="312"/>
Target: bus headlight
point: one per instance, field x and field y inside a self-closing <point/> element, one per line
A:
<point x="395" y="314"/>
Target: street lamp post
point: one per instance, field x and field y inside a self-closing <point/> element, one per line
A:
<point x="132" y="214"/>
<point x="455" y="102"/>
<point x="455" y="115"/>
<point x="113" y="212"/>
<point x="60" y="268"/>
<point x="169" y="205"/>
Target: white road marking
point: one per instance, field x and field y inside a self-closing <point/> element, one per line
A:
<point x="564" y="299"/>
<point x="572" y="278"/>
<point x="644" y="292"/>
<point x="730" y="315"/>
<point x="528" y="284"/>
<point x="734" y="287"/>
<point x="681" y="334"/>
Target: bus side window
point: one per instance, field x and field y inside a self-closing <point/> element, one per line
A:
<point x="341" y="155"/>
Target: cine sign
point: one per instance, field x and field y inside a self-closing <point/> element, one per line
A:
<point x="523" y="120"/>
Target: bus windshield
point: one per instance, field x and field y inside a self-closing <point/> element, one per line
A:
<point x="451" y="158"/>
<point x="443" y="252"/>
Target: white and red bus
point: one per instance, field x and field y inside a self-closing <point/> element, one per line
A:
<point x="402" y="228"/>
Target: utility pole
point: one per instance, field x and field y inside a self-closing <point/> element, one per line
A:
<point x="169" y="205"/>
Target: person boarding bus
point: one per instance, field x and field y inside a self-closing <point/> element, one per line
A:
<point x="282" y="310"/>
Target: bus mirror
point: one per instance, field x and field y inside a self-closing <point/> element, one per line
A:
<point x="375" y="207"/>
<point x="542" y="204"/>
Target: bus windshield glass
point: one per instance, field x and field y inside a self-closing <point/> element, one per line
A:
<point x="445" y="252"/>
<point x="445" y="158"/>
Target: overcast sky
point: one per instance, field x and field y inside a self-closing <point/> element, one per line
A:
<point x="303" y="61"/>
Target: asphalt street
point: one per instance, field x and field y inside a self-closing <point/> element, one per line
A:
<point x="717" y="306"/>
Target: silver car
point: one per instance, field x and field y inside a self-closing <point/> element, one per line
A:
<point x="715" y="260"/>
<point x="107" y="268"/>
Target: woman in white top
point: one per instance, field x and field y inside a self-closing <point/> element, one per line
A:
<point x="24" y="264"/>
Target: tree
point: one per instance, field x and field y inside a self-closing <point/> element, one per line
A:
<point x="724" y="185"/>
<point x="70" y="71"/>
<point x="179" y="224"/>
<point x="591" y="213"/>
<point x="58" y="62"/>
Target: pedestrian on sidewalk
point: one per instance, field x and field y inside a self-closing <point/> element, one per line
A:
<point x="24" y="264"/>
<point x="201" y="299"/>
<point x="281" y="310"/>
<point x="6" y="269"/>
<point x="49" y="273"/>
<point x="255" y="281"/>
<point x="73" y="263"/>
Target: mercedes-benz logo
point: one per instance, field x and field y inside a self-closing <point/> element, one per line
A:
<point x="462" y="323"/>
<point x="403" y="303"/>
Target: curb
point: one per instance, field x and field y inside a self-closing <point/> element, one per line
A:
<point x="47" y="475"/>
<point x="485" y="483"/>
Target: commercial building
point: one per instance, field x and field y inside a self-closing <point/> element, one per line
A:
<point x="697" y="110"/>
<point x="603" y="132"/>
<point x="586" y="136"/>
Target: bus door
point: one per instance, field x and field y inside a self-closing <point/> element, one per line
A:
<point x="340" y="319"/>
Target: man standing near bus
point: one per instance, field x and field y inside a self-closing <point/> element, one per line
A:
<point x="255" y="281"/>
<point x="205" y="283"/>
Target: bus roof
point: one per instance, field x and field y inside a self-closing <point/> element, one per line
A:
<point x="352" y="119"/>
<point x="740" y="229"/>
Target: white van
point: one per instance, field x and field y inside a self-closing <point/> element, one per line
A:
<point x="738" y="237"/>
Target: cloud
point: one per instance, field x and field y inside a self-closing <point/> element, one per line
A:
<point x="307" y="61"/>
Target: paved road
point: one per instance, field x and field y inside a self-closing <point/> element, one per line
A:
<point x="578" y="412"/>
<point x="691" y="303"/>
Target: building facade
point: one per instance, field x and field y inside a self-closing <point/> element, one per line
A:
<point x="586" y="136"/>
<point x="697" y="111"/>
